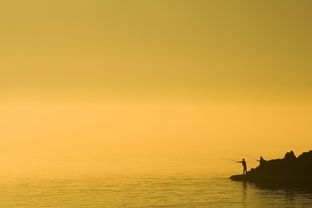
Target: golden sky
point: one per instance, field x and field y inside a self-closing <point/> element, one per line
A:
<point x="92" y="84"/>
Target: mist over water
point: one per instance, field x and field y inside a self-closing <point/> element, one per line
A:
<point x="142" y="154"/>
<point x="73" y="136"/>
<point x="109" y="154"/>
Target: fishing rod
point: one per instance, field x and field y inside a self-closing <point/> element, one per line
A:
<point x="225" y="158"/>
<point x="248" y="156"/>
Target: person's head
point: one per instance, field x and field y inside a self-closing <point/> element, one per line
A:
<point x="243" y="159"/>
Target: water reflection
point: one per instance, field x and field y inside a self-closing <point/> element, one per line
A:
<point x="147" y="191"/>
<point x="244" y="191"/>
<point x="283" y="197"/>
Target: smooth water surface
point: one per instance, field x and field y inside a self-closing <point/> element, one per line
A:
<point x="144" y="190"/>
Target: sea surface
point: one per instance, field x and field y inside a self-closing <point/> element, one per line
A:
<point x="145" y="191"/>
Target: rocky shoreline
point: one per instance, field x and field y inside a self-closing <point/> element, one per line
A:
<point x="290" y="171"/>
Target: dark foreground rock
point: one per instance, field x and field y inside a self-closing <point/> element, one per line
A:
<point x="290" y="171"/>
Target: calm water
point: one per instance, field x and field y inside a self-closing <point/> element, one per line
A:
<point x="138" y="191"/>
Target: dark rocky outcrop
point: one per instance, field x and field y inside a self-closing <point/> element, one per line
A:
<point x="290" y="171"/>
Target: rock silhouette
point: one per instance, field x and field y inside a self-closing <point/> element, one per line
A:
<point x="290" y="171"/>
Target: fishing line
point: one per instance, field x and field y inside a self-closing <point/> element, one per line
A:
<point x="221" y="157"/>
<point x="248" y="156"/>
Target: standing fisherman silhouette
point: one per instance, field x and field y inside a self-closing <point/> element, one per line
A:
<point x="244" y="164"/>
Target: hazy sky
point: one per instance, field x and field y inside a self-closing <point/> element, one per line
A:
<point x="88" y="85"/>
